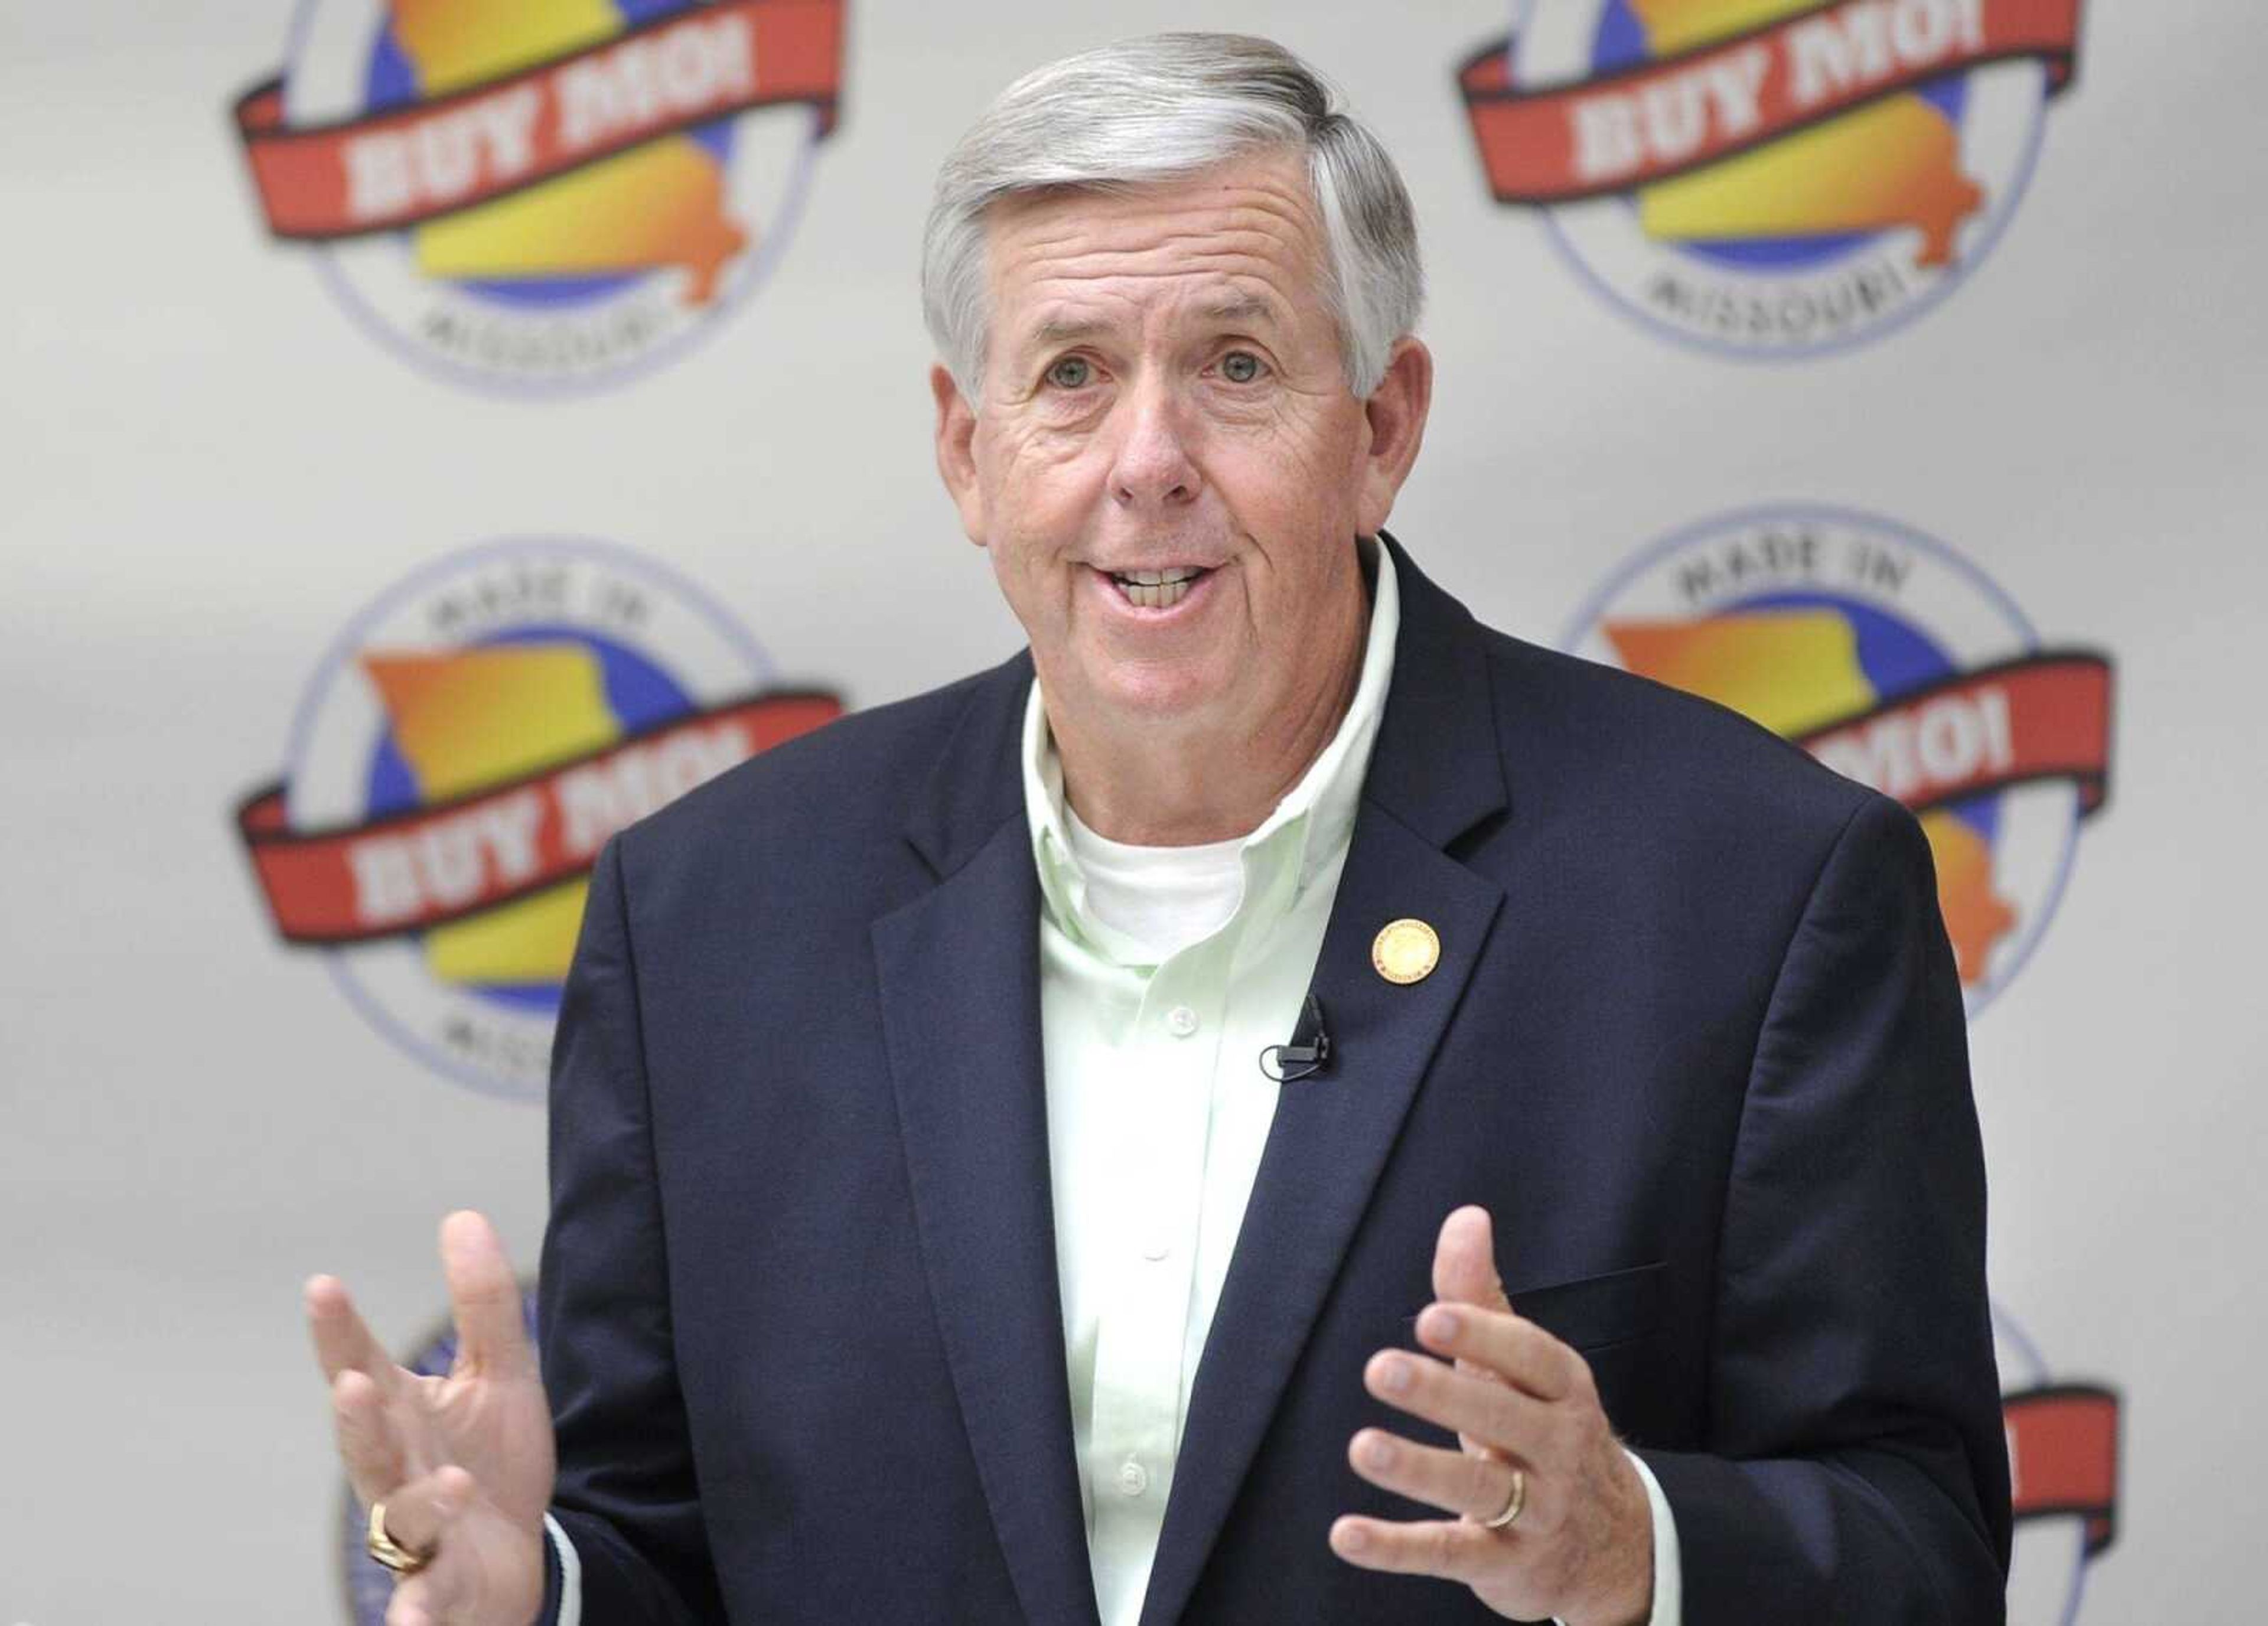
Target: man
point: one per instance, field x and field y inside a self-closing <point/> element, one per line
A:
<point x="932" y="1242"/>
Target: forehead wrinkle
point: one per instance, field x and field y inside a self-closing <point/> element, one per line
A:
<point x="1062" y="297"/>
<point x="1182" y="254"/>
<point x="1264" y="232"/>
<point x="1254" y="188"/>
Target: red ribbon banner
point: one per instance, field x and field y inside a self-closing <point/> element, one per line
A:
<point x="2043" y="716"/>
<point x="414" y="871"/>
<point x="411" y="164"/>
<point x="2063" y="1456"/>
<point x="1561" y="143"/>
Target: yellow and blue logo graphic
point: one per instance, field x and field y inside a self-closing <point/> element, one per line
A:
<point x="1770" y="177"/>
<point x="1900" y="664"/>
<point x="461" y="756"/>
<point x="543" y="197"/>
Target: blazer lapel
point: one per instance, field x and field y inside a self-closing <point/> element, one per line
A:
<point x="958" y="970"/>
<point x="1435" y="772"/>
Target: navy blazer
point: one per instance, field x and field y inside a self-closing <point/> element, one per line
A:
<point x="1695" y="1040"/>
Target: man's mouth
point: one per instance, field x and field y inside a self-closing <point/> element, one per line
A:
<point x="1156" y="590"/>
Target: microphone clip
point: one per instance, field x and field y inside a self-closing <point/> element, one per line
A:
<point x="1307" y="1054"/>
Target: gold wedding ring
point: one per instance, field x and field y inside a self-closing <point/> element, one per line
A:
<point x="390" y="1552"/>
<point x="1512" y="1504"/>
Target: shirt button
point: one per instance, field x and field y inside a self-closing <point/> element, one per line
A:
<point x="1133" y="1478"/>
<point x="1181" y="1021"/>
<point x="1156" y="1248"/>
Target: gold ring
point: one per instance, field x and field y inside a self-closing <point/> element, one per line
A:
<point x="1512" y="1504"/>
<point x="390" y="1552"/>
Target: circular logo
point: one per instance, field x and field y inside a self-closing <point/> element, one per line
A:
<point x="1900" y="664"/>
<point x="543" y="198"/>
<point x="368" y="1587"/>
<point x="1405" y="950"/>
<point x="457" y="763"/>
<point x="1770" y="177"/>
<point x="2062" y="1469"/>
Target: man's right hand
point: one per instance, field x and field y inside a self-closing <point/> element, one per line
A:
<point x="464" y="1463"/>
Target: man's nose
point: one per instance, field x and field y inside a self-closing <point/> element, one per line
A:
<point x="1153" y="467"/>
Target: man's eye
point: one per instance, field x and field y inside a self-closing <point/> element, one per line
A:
<point x="1071" y="373"/>
<point x="1239" y="366"/>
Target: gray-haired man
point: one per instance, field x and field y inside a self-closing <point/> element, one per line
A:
<point x="926" y="1244"/>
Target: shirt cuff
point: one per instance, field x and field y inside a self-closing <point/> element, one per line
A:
<point x="1669" y="1582"/>
<point x="1668" y="1579"/>
<point x="570" y="1574"/>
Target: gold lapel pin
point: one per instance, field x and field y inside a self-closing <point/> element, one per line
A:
<point x="1406" y="951"/>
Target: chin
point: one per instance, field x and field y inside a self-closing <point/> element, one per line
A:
<point x="1172" y="696"/>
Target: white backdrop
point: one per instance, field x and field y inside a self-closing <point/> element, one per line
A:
<point x="210" y="467"/>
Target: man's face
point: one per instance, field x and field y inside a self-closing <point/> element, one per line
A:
<point x="1167" y="466"/>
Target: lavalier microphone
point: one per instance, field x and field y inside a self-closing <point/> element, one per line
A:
<point x="1307" y="1054"/>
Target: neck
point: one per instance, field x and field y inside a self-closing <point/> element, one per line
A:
<point x="1150" y="784"/>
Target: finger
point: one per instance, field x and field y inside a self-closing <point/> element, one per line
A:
<point x="1485" y="1411"/>
<point x="436" y="1594"/>
<point x="1517" y="1350"/>
<point x="445" y="1591"/>
<point x="1464" y="1261"/>
<point x="413" y="1603"/>
<point x="375" y="1459"/>
<point x="483" y="1297"/>
<point x="424" y="1599"/>
<point x="1452" y="1548"/>
<point x="342" y="1342"/>
<point x="1455" y="1482"/>
<point x="419" y="1514"/>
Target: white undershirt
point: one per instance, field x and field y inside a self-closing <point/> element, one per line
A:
<point x="1165" y="897"/>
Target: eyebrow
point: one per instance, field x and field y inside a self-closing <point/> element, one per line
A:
<point x="1062" y="330"/>
<point x="1240" y="308"/>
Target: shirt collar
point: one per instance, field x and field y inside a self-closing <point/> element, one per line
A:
<point x="1307" y="829"/>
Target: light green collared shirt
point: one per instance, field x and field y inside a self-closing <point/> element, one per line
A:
<point x="1157" y="1108"/>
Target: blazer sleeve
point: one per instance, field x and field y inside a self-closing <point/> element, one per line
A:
<point x="1856" y="1468"/>
<point x="626" y="1494"/>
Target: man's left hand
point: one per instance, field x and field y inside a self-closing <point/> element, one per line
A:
<point x="1581" y="1548"/>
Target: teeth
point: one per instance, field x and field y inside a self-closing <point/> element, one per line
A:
<point x="1156" y="595"/>
<point x="1156" y="590"/>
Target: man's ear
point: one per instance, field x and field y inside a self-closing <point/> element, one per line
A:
<point x="956" y="453"/>
<point x="1396" y="412"/>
